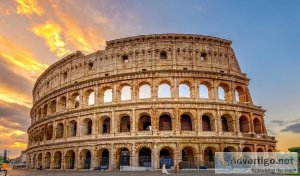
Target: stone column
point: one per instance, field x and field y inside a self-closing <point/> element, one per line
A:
<point x="251" y="123"/>
<point x="112" y="164"/>
<point x="94" y="158"/>
<point x="134" y="156"/>
<point x="62" y="166"/>
<point x="155" y="157"/>
<point x="133" y="125"/>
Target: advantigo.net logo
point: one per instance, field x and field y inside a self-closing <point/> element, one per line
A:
<point x="256" y="162"/>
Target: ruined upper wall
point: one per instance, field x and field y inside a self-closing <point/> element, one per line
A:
<point x="141" y="54"/>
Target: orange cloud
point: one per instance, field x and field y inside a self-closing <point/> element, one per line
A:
<point x="19" y="57"/>
<point x="29" y="7"/>
<point x="51" y="33"/>
<point x="14" y="97"/>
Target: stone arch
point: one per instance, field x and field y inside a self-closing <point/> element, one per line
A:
<point x="75" y="100"/>
<point x="244" y="124"/>
<point x="144" y="122"/>
<point x="47" y="160"/>
<point x="207" y="122"/>
<point x="85" y="158"/>
<point x="209" y="154"/>
<point x="125" y="123"/>
<point x="123" y="157"/>
<point x="186" y="122"/>
<point x="205" y="90"/>
<point x="259" y="150"/>
<point x="184" y="90"/>
<point x="126" y="94"/>
<point x="165" y="122"/>
<point x="102" y="158"/>
<point x="52" y="107"/>
<point x="87" y="126"/>
<point x="72" y="131"/>
<point x="240" y="95"/>
<point x="145" y="157"/>
<point x="144" y="90"/>
<point x="57" y="160"/>
<point x="164" y="90"/>
<point x="70" y="159"/>
<point x="90" y="96"/>
<point x="107" y="94"/>
<point x="45" y="110"/>
<point x="62" y="103"/>
<point x="34" y="160"/>
<point x="166" y="156"/>
<point x="49" y="132"/>
<point x="230" y="149"/>
<point x="227" y="123"/>
<point x="105" y="125"/>
<point x="223" y="92"/>
<point x="40" y="160"/>
<point x="59" y="130"/>
<point x="188" y="155"/>
<point x="257" y="126"/>
<point x="270" y="150"/>
<point x="247" y="149"/>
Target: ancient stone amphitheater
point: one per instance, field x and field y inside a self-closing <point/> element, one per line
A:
<point x="144" y="101"/>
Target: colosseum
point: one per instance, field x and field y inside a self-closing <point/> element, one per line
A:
<point x="144" y="101"/>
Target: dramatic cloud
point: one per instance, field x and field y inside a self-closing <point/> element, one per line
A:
<point x="51" y="33"/>
<point x="295" y="128"/>
<point x="29" y="7"/>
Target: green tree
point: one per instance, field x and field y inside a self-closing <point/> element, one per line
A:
<point x="295" y="149"/>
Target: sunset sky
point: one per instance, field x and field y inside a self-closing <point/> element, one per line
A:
<point x="266" y="39"/>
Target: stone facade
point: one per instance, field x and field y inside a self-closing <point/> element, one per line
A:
<point x="107" y="108"/>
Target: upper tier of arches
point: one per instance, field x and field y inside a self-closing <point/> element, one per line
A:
<point x="141" y="54"/>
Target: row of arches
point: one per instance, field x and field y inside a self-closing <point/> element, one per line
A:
<point x="145" y="123"/>
<point x="166" y="155"/>
<point x="90" y="97"/>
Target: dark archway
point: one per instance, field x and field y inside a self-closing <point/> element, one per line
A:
<point x="70" y="159"/>
<point x="209" y="157"/>
<point x="145" y="157"/>
<point x="206" y="126"/>
<point x="106" y="125"/>
<point x="124" y="157"/>
<point x="145" y="123"/>
<point x="166" y="157"/>
<point x="165" y="123"/>
<point x="186" y="123"/>
<point x="125" y="124"/>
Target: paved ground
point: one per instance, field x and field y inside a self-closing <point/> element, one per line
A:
<point x="106" y="173"/>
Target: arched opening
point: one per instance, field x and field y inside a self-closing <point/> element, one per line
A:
<point x="244" y="124"/>
<point x="34" y="162"/>
<point x="90" y="97"/>
<point x="59" y="131"/>
<point x="70" y="159"/>
<point x="227" y="155"/>
<point x="270" y="150"/>
<point x="166" y="157"/>
<point x="165" y="123"/>
<point x="124" y="157"/>
<point x="106" y="125"/>
<point x="47" y="160"/>
<point x="144" y="91"/>
<point x="72" y="128"/>
<point x="186" y="123"/>
<point x="229" y="149"/>
<point x="184" y="91"/>
<point x="57" y="160"/>
<point x="126" y="93"/>
<point x="40" y="161"/>
<point x="62" y="103"/>
<point x="107" y="97"/>
<point x="223" y="92"/>
<point x="187" y="156"/>
<point x="53" y="107"/>
<point x="257" y="126"/>
<point x="87" y="126"/>
<point x="45" y="110"/>
<point x="203" y="91"/>
<point x="209" y="160"/>
<point x="224" y="124"/>
<point x="246" y="149"/>
<point x="39" y="113"/>
<point x="145" y="123"/>
<point x="145" y="157"/>
<point x="240" y="95"/>
<point x="206" y="126"/>
<point x="125" y="124"/>
<point x="49" y="132"/>
<point x="103" y="158"/>
<point x="75" y="99"/>
<point x="85" y="158"/>
<point x="260" y="150"/>
<point x="164" y="91"/>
